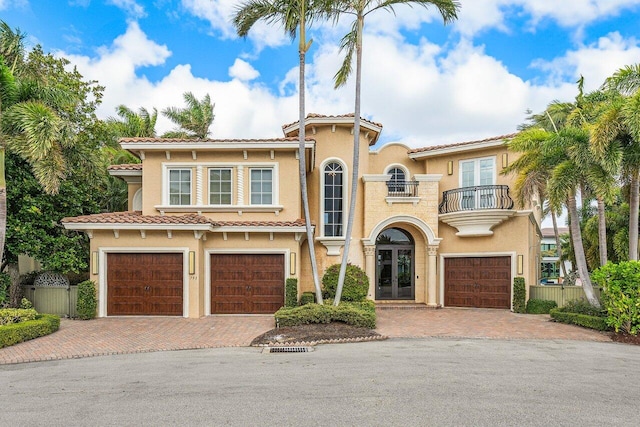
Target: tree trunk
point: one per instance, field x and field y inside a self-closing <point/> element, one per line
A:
<point x="602" y="231"/>
<point x="554" y="219"/>
<point x="3" y="205"/>
<point x="355" y="166"/>
<point x="302" y="164"/>
<point x="578" y="249"/>
<point x="15" y="292"/>
<point x="634" y="199"/>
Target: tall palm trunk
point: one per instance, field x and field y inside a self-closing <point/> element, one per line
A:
<point x="578" y="250"/>
<point x="554" y="219"/>
<point x="633" y="216"/>
<point x="302" y="163"/>
<point x="355" y="166"/>
<point x="3" y="205"/>
<point x="602" y="231"/>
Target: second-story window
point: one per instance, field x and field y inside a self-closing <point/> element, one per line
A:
<point x="220" y="186"/>
<point x="261" y="186"/>
<point x="333" y="199"/>
<point x="397" y="182"/>
<point x="180" y="186"/>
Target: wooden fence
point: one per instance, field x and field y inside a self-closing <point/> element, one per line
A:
<point x="559" y="294"/>
<point x="53" y="300"/>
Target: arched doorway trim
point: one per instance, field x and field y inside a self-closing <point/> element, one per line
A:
<point x="393" y="221"/>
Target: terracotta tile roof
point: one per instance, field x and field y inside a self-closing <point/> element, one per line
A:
<point x="189" y="219"/>
<point x="126" y="167"/>
<point x="204" y="141"/>
<point x="460" y="144"/>
<point x="296" y="223"/>
<point x="137" y="218"/>
<point x="339" y="116"/>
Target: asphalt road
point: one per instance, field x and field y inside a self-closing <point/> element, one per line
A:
<point x="408" y="382"/>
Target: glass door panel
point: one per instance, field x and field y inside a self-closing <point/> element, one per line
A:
<point x="384" y="289"/>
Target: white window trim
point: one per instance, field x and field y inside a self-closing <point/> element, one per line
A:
<point x="476" y="169"/>
<point x="275" y="174"/>
<point x="165" y="179"/>
<point x="407" y="175"/>
<point x="345" y="197"/>
<point x="136" y="201"/>
<point x="233" y="185"/>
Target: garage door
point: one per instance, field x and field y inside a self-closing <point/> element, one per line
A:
<point x="478" y="282"/>
<point x="144" y="284"/>
<point x="243" y="283"/>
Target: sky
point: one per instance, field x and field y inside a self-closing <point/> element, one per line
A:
<point x="426" y="83"/>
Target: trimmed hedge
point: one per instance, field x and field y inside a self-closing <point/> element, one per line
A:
<point x="43" y="324"/>
<point x="87" y="300"/>
<point x="620" y="285"/>
<point x="591" y="322"/>
<point x="540" y="306"/>
<point x="360" y="314"/>
<point x="307" y="298"/>
<point x="291" y="292"/>
<point x="519" y="295"/>
<point x="356" y="283"/>
<point x="9" y="316"/>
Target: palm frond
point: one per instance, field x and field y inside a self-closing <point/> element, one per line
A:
<point x="626" y="80"/>
<point x="348" y="45"/>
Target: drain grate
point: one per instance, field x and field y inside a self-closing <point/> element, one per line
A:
<point x="288" y="350"/>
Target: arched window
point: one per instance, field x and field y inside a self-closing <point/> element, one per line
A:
<point x="333" y="199"/>
<point x="397" y="182"/>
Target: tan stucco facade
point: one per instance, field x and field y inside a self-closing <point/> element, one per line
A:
<point x="244" y="227"/>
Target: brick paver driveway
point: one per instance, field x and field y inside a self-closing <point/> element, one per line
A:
<point x="119" y="335"/>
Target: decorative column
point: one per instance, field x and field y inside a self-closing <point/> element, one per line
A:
<point x="199" y="198"/>
<point x="370" y="269"/>
<point x="431" y="281"/>
<point x="240" y="179"/>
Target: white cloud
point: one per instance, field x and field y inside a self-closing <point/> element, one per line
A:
<point x="131" y="7"/>
<point x="5" y="4"/>
<point x="243" y="71"/>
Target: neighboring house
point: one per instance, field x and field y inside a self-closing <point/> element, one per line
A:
<point x="215" y="225"/>
<point x="550" y="271"/>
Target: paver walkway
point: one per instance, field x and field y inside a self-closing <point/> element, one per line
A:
<point x="120" y="335"/>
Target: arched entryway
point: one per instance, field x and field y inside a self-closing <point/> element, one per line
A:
<point x="395" y="265"/>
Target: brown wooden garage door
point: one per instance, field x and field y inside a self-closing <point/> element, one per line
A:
<point x="478" y="282"/>
<point x="144" y="284"/>
<point x="243" y="283"/>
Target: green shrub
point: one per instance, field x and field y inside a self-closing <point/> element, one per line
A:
<point x="9" y="316"/>
<point x="540" y="306"/>
<point x="591" y="322"/>
<point x="620" y="284"/>
<point x="307" y="298"/>
<point x="87" y="301"/>
<point x="356" y="283"/>
<point x="43" y="324"/>
<point x="360" y="314"/>
<point x="291" y="292"/>
<point x="25" y="304"/>
<point x="519" y="295"/>
<point x="5" y="283"/>
<point x="582" y="306"/>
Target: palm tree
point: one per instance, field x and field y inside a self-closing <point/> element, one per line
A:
<point x="193" y="121"/>
<point x="11" y="46"/>
<point x="294" y="16"/>
<point x="619" y="126"/>
<point x="132" y="124"/>
<point x="352" y="43"/>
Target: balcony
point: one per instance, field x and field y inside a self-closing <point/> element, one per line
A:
<point x="474" y="211"/>
<point x="402" y="189"/>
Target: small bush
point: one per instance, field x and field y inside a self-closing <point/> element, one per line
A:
<point x="87" y="301"/>
<point x="356" y="283"/>
<point x="519" y="295"/>
<point x="591" y="322"/>
<point x="25" y="304"/>
<point x="582" y="306"/>
<point x="540" y="306"/>
<point x="10" y="316"/>
<point x="291" y="292"/>
<point x="356" y="314"/>
<point x="307" y="298"/>
<point x="620" y="285"/>
<point x="43" y="324"/>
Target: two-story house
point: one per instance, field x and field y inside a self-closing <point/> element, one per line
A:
<point x="215" y="226"/>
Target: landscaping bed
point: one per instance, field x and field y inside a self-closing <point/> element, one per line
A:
<point x="626" y="338"/>
<point x="316" y="332"/>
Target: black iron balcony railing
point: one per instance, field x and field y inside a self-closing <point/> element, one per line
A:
<point x="402" y="188"/>
<point x="476" y="198"/>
